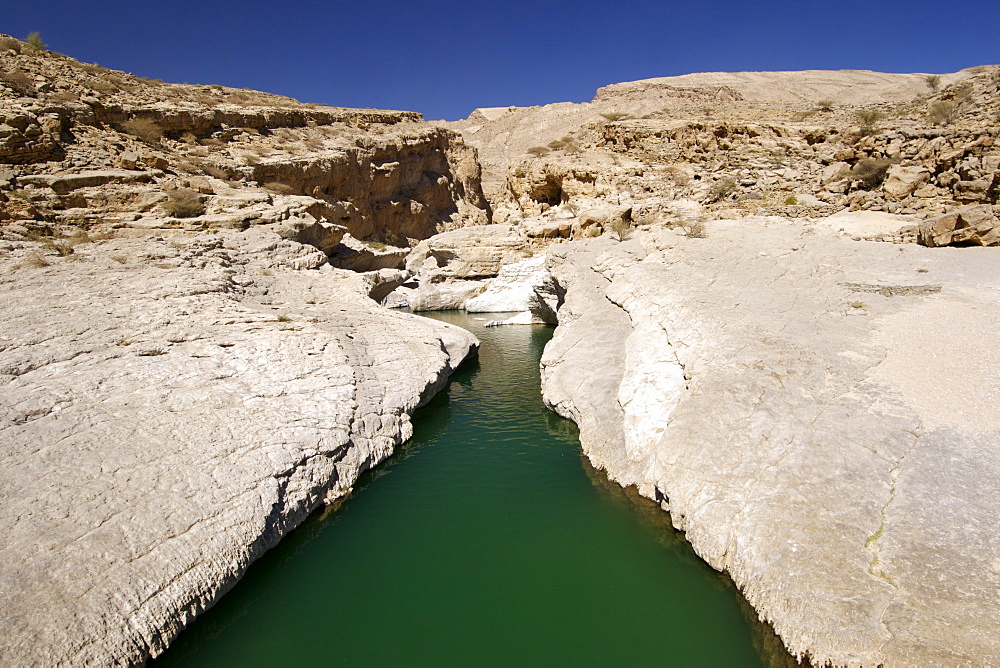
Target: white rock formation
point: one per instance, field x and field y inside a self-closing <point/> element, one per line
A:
<point x="525" y="287"/>
<point x="807" y="409"/>
<point x="168" y="411"/>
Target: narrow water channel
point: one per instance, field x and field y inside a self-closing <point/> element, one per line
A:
<point x="487" y="540"/>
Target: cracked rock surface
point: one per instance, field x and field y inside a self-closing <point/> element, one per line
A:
<point x="816" y="414"/>
<point x="168" y="411"/>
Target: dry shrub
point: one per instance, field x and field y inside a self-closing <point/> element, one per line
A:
<point x="102" y="86"/>
<point x="37" y="260"/>
<point x="145" y="129"/>
<point x="694" y="229"/>
<point x="10" y="44"/>
<point x="279" y="188"/>
<point x="183" y="203"/>
<point x="19" y="81"/>
<point x="63" y="96"/>
<point x="722" y="189"/>
<point x="942" y="113"/>
<point x="621" y="228"/>
<point x="213" y="170"/>
<point x="538" y="151"/>
<point x="870" y="172"/>
<point x="614" y="115"/>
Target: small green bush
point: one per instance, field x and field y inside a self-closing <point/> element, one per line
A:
<point x="933" y="81"/>
<point x="538" y="151"/>
<point x="34" y="43"/>
<point x="791" y="200"/>
<point x="868" y="119"/>
<point x="825" y="105"/>
<point x="614" y="115"/>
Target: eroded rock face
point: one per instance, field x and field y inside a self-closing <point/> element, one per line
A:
<point x="525" y="287"/>
<point x="797" y="403"/>
<point x="453" y="267"/>
<point x="103" y="150"/>
<point x="169" y="409"/>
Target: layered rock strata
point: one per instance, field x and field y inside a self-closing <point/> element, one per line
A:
<point x="168" y="411"/>
<point x="798" y="404"/>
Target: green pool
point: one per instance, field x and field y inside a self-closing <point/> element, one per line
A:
<point x="487" y="540"/>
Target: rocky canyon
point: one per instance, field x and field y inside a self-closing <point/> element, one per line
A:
<point x="776" y="298"/>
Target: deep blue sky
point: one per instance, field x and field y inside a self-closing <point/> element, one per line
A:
<point x="444" y="58"/>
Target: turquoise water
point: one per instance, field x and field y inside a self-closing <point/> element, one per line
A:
<point x="487" y="540"/>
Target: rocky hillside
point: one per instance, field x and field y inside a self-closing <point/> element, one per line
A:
<point x="802" y="144"/>
<point x="95" y="149"/>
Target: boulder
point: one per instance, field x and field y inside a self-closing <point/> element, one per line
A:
<point x="548" y="227"/>
<point x="593" y="221"/>
<point x="445" y="295"/>
<point x="901" y="182"/>
<point x="323" y="236"/>
<point x="972" y="225"/>
<point x="359" y="255"/>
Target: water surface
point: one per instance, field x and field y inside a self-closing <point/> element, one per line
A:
<point x="486" y="540"/>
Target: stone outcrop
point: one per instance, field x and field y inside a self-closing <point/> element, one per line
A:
<point x="974" y="225"/>
<point x="170" y="409"/>
<point x="525" y="287"/>
<point x="792" y="144"/>
<point x="797" y="403"/>
<point x="453" y="267"/>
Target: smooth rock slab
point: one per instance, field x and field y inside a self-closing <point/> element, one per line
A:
<point x="831" y="445"/>
<point x="169" y="410"/>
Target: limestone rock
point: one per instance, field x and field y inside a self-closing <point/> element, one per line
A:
<point x="524" y="286"/>
<point x="360" y="256"/>
<point x="599" y="219"/>
<point x="473" y="252"/>
<point x="168" y="411"/>
<point x="753" y="381"/>
<point x="445" y="295"/>
<point x="970" y="225"/>
<point x="325" y="237"/>
<point x="901" y="182"/>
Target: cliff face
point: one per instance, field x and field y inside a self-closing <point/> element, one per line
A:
<point x="87" y="147"/>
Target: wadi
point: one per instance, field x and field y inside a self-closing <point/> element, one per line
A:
<point x="776" y="298"/>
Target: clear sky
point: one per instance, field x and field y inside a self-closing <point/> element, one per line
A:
<point x="444" y="58"/>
